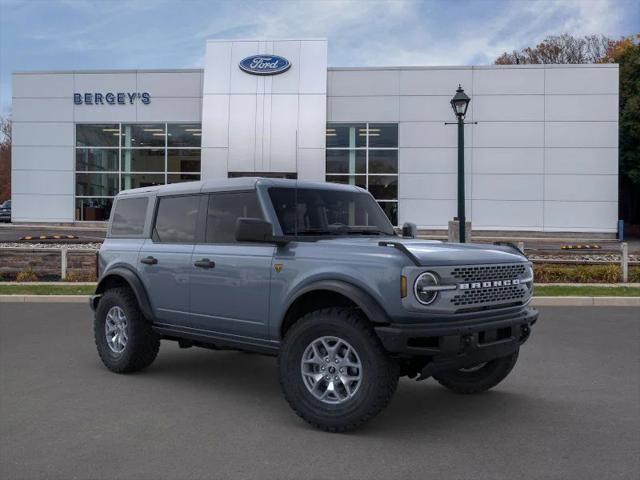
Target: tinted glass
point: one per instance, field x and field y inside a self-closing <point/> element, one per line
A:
<point x="103" y="135"/>
<point x="96" y="184"/>
<point x="182" y="177"/>
<point x="97" y="159"/>
<point x="383" y="161"/>
<point x="391" y="210"/>
<point x="176" y="219"/>
<point x="184" y="135"/>
<point x="346" y="161"/>
<point x="187" y="161"/>
<point x="145" y="160"/>
<point x="224" y="210"/>
<point x="346" y="135"/>
<point x="384" y="187"/>
<point x="144" y="135"/>
<point x="328" y="212"/>
<point x="383" y="135"/>
<point x="93" y="209"/>
<point x="129" y="216"/>
<point x="131" y="180"/>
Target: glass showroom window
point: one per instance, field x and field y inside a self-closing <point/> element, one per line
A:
<point x="115" y="157"/>
<point x="366" y="155"/>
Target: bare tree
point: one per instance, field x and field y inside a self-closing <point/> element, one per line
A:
<point x="563" y="48"/>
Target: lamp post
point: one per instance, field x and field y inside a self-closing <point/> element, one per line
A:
<point x="460" y="103"/>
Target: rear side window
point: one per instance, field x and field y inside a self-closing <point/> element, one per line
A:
<point x="224" y="209"/>
<point x="128" y="216"/>
<point x="176" y="219"/>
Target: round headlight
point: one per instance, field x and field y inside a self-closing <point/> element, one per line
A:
<point x="530" y="278"/>
<point x="423" y="288"/>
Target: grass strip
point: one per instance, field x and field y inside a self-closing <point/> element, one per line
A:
<point x="541" y="290"/>
<point x="52" y="289"/>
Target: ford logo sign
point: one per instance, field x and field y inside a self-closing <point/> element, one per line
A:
<point x="265" y="64"/>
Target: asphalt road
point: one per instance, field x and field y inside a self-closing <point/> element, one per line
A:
<point x="11" y="233"/>
<point x="570" y="409"/>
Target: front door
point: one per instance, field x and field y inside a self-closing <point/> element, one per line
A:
<point x="230" y="281"/>
<point x="165" y="259"/>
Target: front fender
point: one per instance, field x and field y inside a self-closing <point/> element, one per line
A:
<point x="369" y="305"/>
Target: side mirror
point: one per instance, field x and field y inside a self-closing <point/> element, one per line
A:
<point x="409" y="230"/>
<point x="253" y="230"/>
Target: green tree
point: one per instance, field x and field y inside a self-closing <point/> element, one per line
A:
<point x="600" y="49"/>
<point x="626" y="53"/>
<point x="5" y="159"/>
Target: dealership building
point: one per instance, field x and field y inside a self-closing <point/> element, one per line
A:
<point x="541" y="142"/>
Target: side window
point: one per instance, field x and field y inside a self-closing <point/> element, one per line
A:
<point x="129" y="216"/>
<point x="224" y="209"/>
<point x="176" y="219"/>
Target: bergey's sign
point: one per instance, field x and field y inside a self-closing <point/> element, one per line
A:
<point x="110" y="98"/>
<point x="265" y="64"/>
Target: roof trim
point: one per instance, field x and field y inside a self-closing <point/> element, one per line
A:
<point x="102" y="71"/>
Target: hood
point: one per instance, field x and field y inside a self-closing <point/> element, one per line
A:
<point x="436" y="253"/>
<point x="433" y="254"/>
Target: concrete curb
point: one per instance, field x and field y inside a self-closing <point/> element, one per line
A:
<point x="71" y="284"/>
<point x="45" y="299"/>
<point x="586" y="302"/>
<point x="537" y="301"/>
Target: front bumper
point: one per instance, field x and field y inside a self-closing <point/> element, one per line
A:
<point x="453" y="345"/>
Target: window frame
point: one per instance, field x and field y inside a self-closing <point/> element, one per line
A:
<point x="366" y="149"/>
<point x="142" y="234"/>
<point x="120" y="148"/>
<point x="206" y="216"/>
<point x="199" y="231"/>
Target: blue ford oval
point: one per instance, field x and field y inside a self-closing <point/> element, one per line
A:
<point x="265" y="64"/>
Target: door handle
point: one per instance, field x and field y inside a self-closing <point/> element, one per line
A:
<point x="149" y="260"/>
<point x="205" y="263"/>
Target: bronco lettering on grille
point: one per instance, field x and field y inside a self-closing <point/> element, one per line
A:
<point x="493" y="283"/>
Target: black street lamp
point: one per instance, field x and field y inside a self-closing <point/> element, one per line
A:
<point x="460" y="103"/>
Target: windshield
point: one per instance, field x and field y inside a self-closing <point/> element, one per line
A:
<point x="307" y="211"/>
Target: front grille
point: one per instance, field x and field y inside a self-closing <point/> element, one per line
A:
<point x="488" y="272"/>
<point x="491" y="295"/>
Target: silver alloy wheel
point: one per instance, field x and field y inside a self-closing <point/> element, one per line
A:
<point x="331" y="370"/>
<point x="115" y="329"/>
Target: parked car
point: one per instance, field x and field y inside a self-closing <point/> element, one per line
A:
<point x="315" y="274"/>
<point x="5" y="211"/>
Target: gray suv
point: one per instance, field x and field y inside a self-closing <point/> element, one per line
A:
<point x="315" y="274"/>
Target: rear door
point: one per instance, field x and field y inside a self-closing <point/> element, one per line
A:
<point x="230" y="281"/>
<point x="165" y="258"/>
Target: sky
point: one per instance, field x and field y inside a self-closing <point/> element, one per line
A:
<point x="107" y="34"/>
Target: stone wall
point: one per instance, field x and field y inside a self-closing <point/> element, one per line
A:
<point x="46" y="264"/>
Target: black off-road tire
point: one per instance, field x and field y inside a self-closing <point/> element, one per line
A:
<point x="142" y="344"/>
<point x="481" y="380"/>
<point x="380" y="373"/>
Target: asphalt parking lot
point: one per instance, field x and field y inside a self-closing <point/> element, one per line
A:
<point x="570" y="409"/>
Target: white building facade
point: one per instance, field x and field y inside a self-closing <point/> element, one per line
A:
<point x="543" y="155"/>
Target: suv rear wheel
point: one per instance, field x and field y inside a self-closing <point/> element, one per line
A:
<point x="124" y="338"/>
<point x="478" y="378"/>
<point x="333" y="370"/>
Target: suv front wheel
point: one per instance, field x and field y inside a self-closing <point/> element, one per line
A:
<point x="333" y="369"/>
<point x="124" y="338"/>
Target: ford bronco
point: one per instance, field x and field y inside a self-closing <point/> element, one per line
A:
<point x="315" y="274"/>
